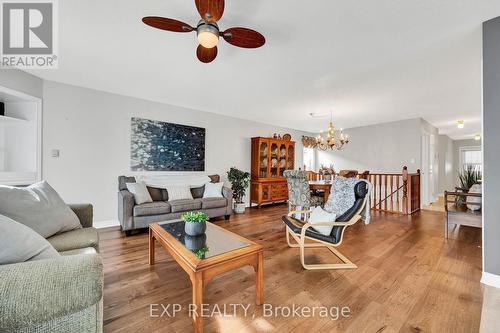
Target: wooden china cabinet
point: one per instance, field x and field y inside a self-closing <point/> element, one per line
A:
<point x="270" y="158"/>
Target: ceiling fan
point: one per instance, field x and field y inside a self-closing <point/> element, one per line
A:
<point x="207" y="30"/>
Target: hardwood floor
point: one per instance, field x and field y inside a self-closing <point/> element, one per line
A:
<point x="409" y="279"/>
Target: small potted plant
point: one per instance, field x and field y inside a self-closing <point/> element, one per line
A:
<point x="195" y="223"/>
<point x="239" y="182"/>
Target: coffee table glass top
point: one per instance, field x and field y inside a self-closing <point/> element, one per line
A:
<point x="213" y="243"/>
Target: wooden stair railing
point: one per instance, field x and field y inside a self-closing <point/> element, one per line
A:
<point x="395" y="192"/>
<point x="391" y="192"/>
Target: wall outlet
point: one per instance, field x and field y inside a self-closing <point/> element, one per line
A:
<point x="54" y="153"/>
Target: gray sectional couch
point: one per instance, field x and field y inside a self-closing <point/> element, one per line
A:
<point x="134" y="216"/>
<point x="56" y="295"/>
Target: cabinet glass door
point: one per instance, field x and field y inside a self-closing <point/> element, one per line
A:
<point x="282" y="159"/>
<point x="263" y="159"/>
<point x="274" y="160"/>
<point x="291" y="157"/>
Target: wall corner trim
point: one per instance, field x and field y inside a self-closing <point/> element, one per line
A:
<point x="491" y="279"/>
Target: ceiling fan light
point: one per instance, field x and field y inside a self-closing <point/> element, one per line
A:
<point x="207" y="39"/>
<point x="208" y="34"/>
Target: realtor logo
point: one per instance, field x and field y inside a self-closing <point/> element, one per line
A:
<point x="28" y="34"/>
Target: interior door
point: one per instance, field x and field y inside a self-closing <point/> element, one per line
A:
<point x="424" y="184"/>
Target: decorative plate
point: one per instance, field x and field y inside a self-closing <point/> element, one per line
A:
<point x="287" y="137"/>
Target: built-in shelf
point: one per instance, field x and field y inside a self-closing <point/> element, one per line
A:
<point x="20" y="138"/>
<point x="7" y="118"/>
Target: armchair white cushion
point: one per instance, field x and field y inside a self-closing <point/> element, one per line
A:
<point x="320" y="216"/>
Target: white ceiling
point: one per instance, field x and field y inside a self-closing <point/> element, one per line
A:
<point x="368" y="61"/>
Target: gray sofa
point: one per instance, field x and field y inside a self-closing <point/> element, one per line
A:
<point x="56" y="295"/>
<point x="134" y="216"/>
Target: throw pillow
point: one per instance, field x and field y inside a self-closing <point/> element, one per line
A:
<point x="39" y="207"/>
<point x="21" y="243"/>
<point x="140" y="192"/>
<point x="476" y="188"/>
<point x="197" y="192"/>
<point x="319" y="215"/>
<point x="213" y="190"/>
<point x="179" y="192"/>
<point x="341" y="195"/>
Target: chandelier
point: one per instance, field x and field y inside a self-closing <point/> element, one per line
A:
<point x="333" y="139"/>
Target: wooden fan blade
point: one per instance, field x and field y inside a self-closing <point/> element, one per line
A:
<point x="243" y="37"/>
<point x="206" y="55"/>
<point x="169" y="24"/>
<point x="210" y="10"/>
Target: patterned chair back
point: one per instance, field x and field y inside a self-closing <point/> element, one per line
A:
<point x="299" y="193"/>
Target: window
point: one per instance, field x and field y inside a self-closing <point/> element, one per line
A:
<point x="309" y="159"/>
<point x="471" y="156"/>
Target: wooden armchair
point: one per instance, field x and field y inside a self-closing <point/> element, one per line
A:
<point x="301" y="230"/>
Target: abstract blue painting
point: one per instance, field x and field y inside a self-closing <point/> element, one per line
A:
<point x="161" y="146"/>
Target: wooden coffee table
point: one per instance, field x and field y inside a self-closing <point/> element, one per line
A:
<point x="226" y="251"/>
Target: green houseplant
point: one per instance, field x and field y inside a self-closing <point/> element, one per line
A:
<point x="239" y="182"/>
<point x="468" y="177"/>
<point x="195" y="223"/>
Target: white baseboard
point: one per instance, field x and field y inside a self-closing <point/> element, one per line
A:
<point x="491" y="279"/>
<point x="106" y="224"/>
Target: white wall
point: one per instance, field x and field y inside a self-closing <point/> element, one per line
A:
<point x="21" y="81"/>
<point x="92" y="131"/>
<point x="446" y="167"/>
<point x="383" y="147"/>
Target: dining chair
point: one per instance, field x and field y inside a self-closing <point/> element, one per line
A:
<point x="348" y="173"/>
<point x="301" y="230"/>
<point x="299" y="193"/>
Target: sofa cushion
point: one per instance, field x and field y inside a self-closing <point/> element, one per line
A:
<point x="152" y="208"/>
<point x="213" y="190"/>
<point x="39" y="207"/>
<point x="184" y="205"/>
<point x="179" y="192"/>
<point x="20" y="243"/>
<point x="207" y="203"/>
<point x="140" y="192"/>
<point x="75" y="239"/>
<point x="197" y="192"/>
<point x="155" y="193"/>
<point x="85" y="250"/>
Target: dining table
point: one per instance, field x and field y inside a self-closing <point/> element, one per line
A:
<point x="321" y="185"/>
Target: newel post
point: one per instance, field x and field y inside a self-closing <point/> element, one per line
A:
<point x="405" y="190"/>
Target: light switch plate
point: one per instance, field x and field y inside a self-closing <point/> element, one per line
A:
<point x="54" y="153"/>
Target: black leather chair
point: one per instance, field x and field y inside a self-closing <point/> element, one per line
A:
<point x="300" y="230"/>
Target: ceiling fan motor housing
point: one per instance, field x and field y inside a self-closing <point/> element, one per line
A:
<point x="204" y="26"/>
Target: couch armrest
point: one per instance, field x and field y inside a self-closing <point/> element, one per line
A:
<point x="228" y="194"/>
<point x="126" y="203"/>
<point x="84" y="212"/>
<point x="35" y="292"/>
